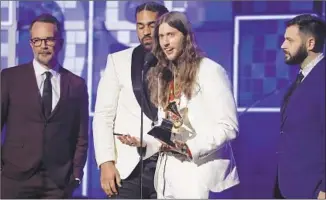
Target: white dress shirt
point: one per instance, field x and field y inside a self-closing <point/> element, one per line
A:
<point x="55" y="80"/>
<point x="307" y="69"/>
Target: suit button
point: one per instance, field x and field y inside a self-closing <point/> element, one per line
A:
<point x="282" y="132"/>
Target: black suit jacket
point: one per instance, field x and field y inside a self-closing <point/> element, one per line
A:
<point x="301" y="150"/>
<point x="60" y="142"/>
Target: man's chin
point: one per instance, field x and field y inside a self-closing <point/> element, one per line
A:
<point x="291" y="62"/>
<point x="44" y="61"/>
<point x="147" y="46"/>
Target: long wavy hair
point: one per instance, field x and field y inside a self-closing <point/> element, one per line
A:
<point x="184" y="69"/>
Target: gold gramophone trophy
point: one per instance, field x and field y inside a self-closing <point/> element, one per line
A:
<point x="177" y="120"/>
<point x="164" y="128"/>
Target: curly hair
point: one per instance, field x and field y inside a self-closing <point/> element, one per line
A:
<point x="184" y="68"/>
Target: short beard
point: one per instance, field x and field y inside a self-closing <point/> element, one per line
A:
<point x="298" y="57"/>
<point x="147" y="46"/>
<point x="43" y="63"/>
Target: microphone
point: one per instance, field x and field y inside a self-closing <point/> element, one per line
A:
<point x="149" y="61"/>
<point x="167" y="74"/>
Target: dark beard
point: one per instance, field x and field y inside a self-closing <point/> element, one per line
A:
<point x="298" y="57"/>
<point x="147" y="46"/>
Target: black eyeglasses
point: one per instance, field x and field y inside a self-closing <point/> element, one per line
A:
<point x="50" y="41"/>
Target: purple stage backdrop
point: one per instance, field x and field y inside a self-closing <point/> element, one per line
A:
<point x="243" y="36"/>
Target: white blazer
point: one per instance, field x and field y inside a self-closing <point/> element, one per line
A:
<point x="117" y="110"/>
<point x="213" y="118"/>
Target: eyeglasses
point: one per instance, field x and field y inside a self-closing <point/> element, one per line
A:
<point x="50" y="41"/>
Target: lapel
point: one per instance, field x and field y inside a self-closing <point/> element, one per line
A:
<point x="284" y="102"/>
<point x="311" y="77"/>
<point x="137" y="62"/>
<point x="64" y="88"/>
<point x="31" y="85"/>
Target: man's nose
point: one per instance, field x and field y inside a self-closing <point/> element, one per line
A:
<point x="147" y="30"/>
<point x="283" y="45"/>
<point x="166" y="41"/>
<point x="44" y="45"/>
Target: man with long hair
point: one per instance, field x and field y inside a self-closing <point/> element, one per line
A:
<point x="118" y="110"/>
<point x="201" y="91"/>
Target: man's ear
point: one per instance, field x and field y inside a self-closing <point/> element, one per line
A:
<point x="310" y="43"/>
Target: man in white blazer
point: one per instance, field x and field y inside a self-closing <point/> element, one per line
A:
<point x="117" y="110"/>
<point x="201" y="90"/>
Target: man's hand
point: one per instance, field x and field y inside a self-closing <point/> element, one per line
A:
<point x="70" y="188"/>
<point x="130" y="140"/>
<point x="165" y="147"/>
<point x="110" y="177"/>
<point x="321" y="195"/>
<point x="178" y="144"/>
<point x="180" y="147"/>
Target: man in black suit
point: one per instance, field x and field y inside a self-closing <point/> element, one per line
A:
<point x="45" y="110"/>
<point x="301" y="146"/>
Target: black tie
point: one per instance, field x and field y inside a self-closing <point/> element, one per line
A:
<point x="290" y="91"/>
<point x="47" y="95"/>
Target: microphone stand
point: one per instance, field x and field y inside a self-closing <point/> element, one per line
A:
<point x="141" y="150"/>
<point x="275" y="91"/>
<point x="149" y="58"/>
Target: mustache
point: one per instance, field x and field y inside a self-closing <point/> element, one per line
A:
<point x="146" y="37"/>
<point x="45" y="52"/>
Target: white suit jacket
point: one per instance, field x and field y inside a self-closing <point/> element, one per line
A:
<point x="117" y="110"/>
<point x="213" y="118"/>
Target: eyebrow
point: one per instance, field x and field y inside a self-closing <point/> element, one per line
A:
<point x="170" y="32"/>
<point x="148" y="23"/>
<point x="50" y="37"/>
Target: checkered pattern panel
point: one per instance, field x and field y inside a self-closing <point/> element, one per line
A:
<point x="4" y="34"/>
<point x="4" y="11"/>
<point x="261" y="61"/>
<point x="4" y="49"/>
<point x="75" y="16"/>
<point x="273" y="7"/>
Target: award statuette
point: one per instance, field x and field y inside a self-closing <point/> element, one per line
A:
<point x="177" y="119"/>
<point x="162" y="130"/>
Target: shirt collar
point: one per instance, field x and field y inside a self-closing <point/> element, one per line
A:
<point x="40" y="70"/>
<point x="305" y="71"/>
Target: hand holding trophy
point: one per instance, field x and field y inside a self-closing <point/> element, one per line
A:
<point x="165" y="131"/>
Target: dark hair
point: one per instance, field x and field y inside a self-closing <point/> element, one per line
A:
<point x="48" y="18"/>
<point x="152" y="6"/>
<point x="311" y="25"/>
